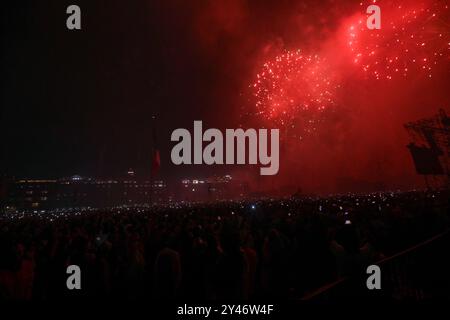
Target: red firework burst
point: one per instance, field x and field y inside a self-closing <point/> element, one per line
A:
<point x="414" y="38"/>
<point x="292" y="90"/>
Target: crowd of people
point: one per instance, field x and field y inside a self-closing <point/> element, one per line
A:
<point x="238" y="250"/>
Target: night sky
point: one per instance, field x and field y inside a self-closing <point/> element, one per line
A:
<point x="81" y="102"/>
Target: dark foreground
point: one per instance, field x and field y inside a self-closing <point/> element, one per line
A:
<point x="267" y="250"/>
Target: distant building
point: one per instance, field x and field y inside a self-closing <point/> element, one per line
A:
<point x="78" y="191"/>
<point x="213" y="188"/>
<point x="32" y="194"/>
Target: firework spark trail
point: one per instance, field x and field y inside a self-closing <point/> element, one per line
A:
<point x="414" y="39"/>
<point x="293" y="89"/>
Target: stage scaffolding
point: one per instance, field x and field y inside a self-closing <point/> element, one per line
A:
<point x="432" y="134"/>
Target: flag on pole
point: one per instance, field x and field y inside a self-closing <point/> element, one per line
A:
<point x="156" y="159"/>
<point x="156" y="162"/>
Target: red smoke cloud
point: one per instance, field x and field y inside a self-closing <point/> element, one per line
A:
<point x="383" y="77"/>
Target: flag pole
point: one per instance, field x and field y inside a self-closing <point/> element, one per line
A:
<point x="152" y="157"/>
<point x="156" y="160"/>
